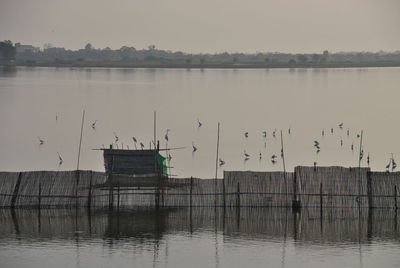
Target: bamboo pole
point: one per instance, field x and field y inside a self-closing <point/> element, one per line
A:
<point x="284" y="169"/>
<point x="359" y="170"/>
<point x="191" y="192"/>
<point x="80" y="140"/>
<point x="216" y="169"/>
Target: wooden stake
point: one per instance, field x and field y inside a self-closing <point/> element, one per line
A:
<point x="216" y="170"/>
<point x="359" y="170"/>
<point x="80" y="140"/>
<point x="284" y="169"/>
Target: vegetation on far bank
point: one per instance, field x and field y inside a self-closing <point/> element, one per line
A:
<point x="155" y="58"/>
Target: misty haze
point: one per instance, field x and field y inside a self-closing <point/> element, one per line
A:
<point x="203" y="134"/>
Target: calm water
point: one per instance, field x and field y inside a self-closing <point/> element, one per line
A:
<point x="199" y="238"/>
<point x="123" y="101"/>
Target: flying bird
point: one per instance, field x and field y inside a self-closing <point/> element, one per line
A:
<point x="260" y="156"/>
<point x="273" y="157"/>
<point x="221" y="162"/>
<point x="94" y="124"/>
<point x="142" y="145"/>
<point x="332" y="130"/>
<point x="41" y="141"/>
<point x="199" y="124"/>
<point x="368" y="159"/>
<point x="388" y="166"/>
<point x="323" y="133"/>
<point x="289" y="131"/>
<point x="246" y="134"/>
<point x="246" y="154"/>
<point x="166" y="135"/>
<point x="341" y="142"/>
<point x="394" y="165"/>
<point x="194" y="147"/>
<point x="60" y="160"/>
<point x="348" y="132"/>
<point x="116" y="137"/>
<point x="315" y="165"/>
<point x="341" y="125"/>
<point x="274" y="133"/>
<point x="264" y="134"/>
<point x="134" y="142"/>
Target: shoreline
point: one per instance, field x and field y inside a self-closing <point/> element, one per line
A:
<point x="137" y="65"/>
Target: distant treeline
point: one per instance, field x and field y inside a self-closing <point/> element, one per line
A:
<point x="7" y="52"/>
<point x="153" y="57"/>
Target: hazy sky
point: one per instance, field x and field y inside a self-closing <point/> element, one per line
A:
<point x="206" y="25"/>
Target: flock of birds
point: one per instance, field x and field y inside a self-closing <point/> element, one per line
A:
<point x="274" y="158"/>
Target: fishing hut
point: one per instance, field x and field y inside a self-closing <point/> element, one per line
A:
<point x="135" y="170"/>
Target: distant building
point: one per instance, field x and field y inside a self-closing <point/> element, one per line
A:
<point x="26" y="48"/>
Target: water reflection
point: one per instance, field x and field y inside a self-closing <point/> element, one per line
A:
<point x="149" y="232"/>
<point x="334" y="226"/>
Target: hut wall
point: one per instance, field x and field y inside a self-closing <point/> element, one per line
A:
<point x="340" y="186"/>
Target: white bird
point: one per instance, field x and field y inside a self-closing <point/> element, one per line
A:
<point x="142" y="145"/>
<point x="194" y="147"/>
<point x="94" y="124"/>
<point x="60" y="160"/>
<point x="166" y="135"/>
<point x="246" y="134"/>
<point x="199" y="124"/>
<point x="116" y="137"/>
<point x="246" y="154"/>
<point x="388" y="166"/>
<point x="134" y="142"/>
<point x="221" y="162"/>
<point x="41" y="141"/>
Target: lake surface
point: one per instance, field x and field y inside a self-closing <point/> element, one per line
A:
<point x="201" y="237"/>
<point x="123" y="100"/>
<point x="48" y="102"/>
